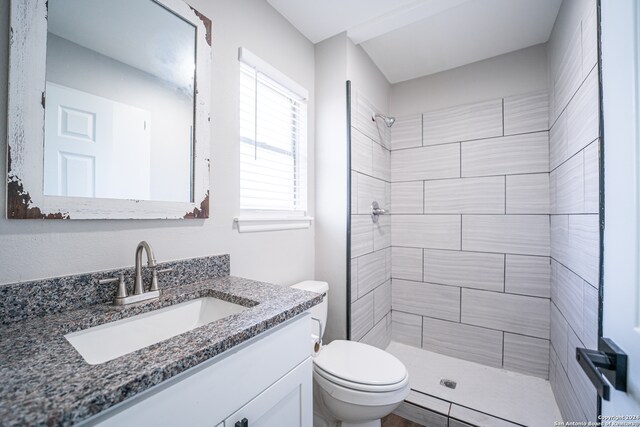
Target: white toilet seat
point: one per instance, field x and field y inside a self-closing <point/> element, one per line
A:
<point x="372" y="388"/>
<point x="355" y="362"/>
<point x="362" y="398"/>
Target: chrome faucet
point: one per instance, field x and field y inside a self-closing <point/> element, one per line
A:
<point x="138" y="287"/>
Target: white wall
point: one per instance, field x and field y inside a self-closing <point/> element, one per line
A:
<point x="367" y="78"/>
<point x="331" y="179"/>
<point x="32" y="249"/>
<point x="513" y="73"/>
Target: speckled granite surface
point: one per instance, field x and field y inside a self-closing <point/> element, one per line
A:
<point x="44" y="381"/>
<point x="20" y="301"/>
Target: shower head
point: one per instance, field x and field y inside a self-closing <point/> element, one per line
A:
<point x="388" y="120"/>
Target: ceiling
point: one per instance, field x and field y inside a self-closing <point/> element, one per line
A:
<point x="413" y="38"/>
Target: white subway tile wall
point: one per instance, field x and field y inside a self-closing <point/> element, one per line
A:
<point x="526" y="354"/>
<point x="574" y="206"/>
<point x="470" y="234"/>
<point x="526" y="113"/>
<point x="371" y="256"/>
<point x="467" y="342"/>
<point x="528" y="194"/>
<point x="462" y="123"/>
<point x="467" y="195"/>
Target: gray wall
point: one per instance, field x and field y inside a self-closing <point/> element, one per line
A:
<point x="574" y="178"/>
<point x="37" y="249"/>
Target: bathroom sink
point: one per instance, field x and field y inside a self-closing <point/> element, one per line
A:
<point x="106" y="342"/>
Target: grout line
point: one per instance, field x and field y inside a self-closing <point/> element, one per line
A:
<point x="576" y="274"/>
<point x="478" y="252"/>
<point x="471" y="324"/>
<point x="466" y="177"/>
<point x="473" y="289"/>
<point x="472" y="140"/>
<point x="568" y="324"/>
<point x="573" y="155"/>
<point x="572" y="96"/>
<point x="568" y="214"/>
<point x="370" y="176"/>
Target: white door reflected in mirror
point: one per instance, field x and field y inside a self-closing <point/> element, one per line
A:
<point x="95" y="147"/>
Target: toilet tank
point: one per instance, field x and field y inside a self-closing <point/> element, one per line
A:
<point x="319" y="311"/>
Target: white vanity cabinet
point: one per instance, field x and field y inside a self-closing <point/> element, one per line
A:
<point x="264" y="382"/>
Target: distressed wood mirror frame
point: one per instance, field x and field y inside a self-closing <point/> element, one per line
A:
<point x="25" y="128"/>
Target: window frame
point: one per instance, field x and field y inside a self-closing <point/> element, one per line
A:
<point x="258" y="219"/>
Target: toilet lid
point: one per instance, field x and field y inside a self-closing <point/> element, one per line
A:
<point x="360" y="363"/>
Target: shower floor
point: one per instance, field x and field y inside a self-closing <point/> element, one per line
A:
<point x="483" y="395"/>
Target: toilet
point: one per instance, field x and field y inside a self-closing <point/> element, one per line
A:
<point x="354" y="384"/>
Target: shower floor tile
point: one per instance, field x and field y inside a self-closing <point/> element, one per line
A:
<point x="514" y="397"/>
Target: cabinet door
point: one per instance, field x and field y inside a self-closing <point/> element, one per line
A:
<point x="287" y="403"/>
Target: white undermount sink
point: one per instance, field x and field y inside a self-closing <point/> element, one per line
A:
<point x="106" y="342"/>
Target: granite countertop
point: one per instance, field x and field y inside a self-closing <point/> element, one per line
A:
<point x="45" y="381"/>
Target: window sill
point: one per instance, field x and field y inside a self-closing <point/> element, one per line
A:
<point x="252" y="224"/>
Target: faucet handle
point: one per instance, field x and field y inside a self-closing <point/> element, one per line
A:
<point x="154" y="277"/>
<point x="122" y="287"/>
<point x="108" y="280"/>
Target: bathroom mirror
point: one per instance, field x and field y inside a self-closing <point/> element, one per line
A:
<point x="108" y="110"/>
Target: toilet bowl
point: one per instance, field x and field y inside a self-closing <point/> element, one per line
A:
<point x="355" y="384"/>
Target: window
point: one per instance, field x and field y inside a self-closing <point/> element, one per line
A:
<point x="273" y="131"/>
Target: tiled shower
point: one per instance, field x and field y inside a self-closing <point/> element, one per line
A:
<point x="470" y="221"/>
<point x="370" y="241"/>
<point x="491" y="251"/>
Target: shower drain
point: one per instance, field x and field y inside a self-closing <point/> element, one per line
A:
<point x="448" y="383"/>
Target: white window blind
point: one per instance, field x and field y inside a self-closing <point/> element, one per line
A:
<point x="273" y="129"/>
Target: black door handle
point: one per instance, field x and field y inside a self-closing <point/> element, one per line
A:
<point x="242" y="423"/>
<point x="609" y="362"/>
